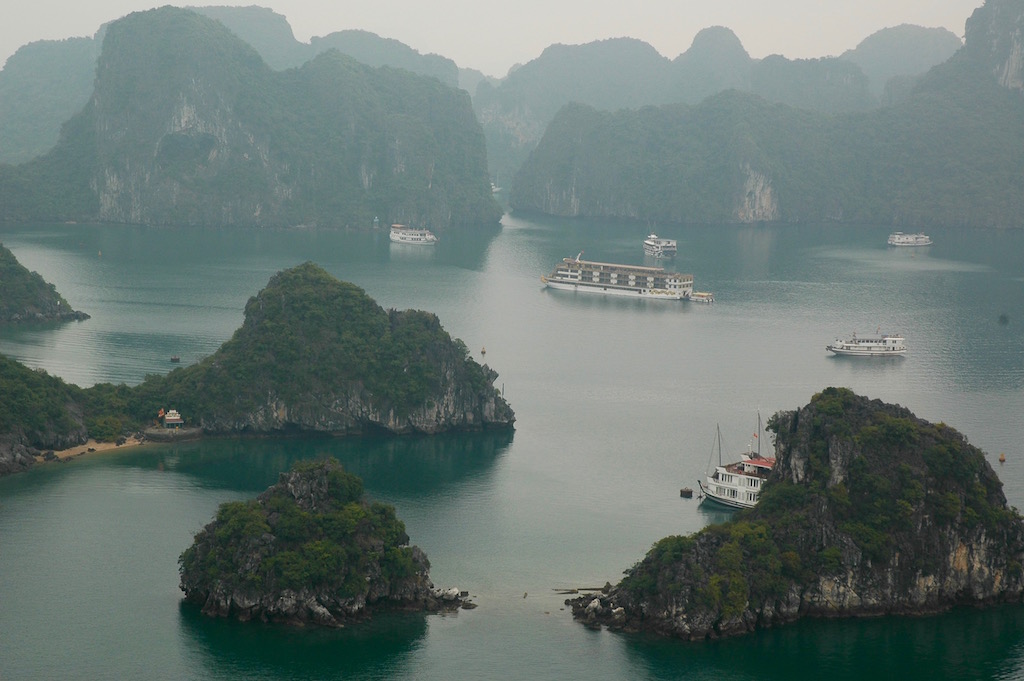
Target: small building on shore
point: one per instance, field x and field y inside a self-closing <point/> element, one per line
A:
<point x="172" y="419"/>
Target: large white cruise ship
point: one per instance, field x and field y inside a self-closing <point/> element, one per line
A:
<point x="575" y="274"/>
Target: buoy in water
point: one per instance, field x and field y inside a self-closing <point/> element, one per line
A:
<point x="483" y="351"/>
<point x="686" y="493"/>
<point x="1002" y="457"/>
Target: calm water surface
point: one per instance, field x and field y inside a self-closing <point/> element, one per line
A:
<point x="617" y="403"/>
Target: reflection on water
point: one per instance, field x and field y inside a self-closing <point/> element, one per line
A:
<point x="964" y="644"/>
<point x="714" y="514"/>
<point x="226" y="649"/>
<point x="416" y="466"/>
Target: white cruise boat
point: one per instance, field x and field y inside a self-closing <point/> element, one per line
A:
<point x="402" y="234"/>
<point x="901" y="239"/>
<point x="738" y="484"/>
<point x="879" y="345"/>
<point x="655" y="246"/>
<point x="575" y="274"/>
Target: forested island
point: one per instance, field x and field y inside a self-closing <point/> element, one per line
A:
<point x="26" y="297"/>
<point x="357" y="127"/>
<point x="868" y="511"/>
<point x="313" y="355"/>
<point x="736" y="157"/>
<point x="310" y="549"/>
<point x="188" y="125"/>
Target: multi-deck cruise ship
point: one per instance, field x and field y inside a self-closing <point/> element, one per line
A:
<point x="401" y="234"/>
<point x="575" y="274"/>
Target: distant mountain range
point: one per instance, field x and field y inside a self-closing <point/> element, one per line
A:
<point x="186" y="124"/>
<point x="295" y="133"/>
<point x="949" y="151"/>
<point x="625" y="73"/>
<point x="46" y="82"/>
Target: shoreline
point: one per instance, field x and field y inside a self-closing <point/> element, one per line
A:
<point x="89" y="447"/>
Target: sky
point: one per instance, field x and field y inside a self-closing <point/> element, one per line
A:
<point x="492" y="36"/>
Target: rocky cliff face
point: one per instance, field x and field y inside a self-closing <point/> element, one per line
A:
<point x="19" y="452"/>
<point x="352" y="410"/>
<point x="308" y="550"/>
<point x="995" y="37"/>
<point x="869" y="511"/>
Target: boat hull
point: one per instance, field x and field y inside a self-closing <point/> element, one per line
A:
<point x="607" y="290"/>
<point x="413" y="242"/>
<point x="861" y="352"/>
<point x="734" y="504"/>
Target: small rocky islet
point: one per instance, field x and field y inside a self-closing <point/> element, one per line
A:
<point x="309" y="550"/>
<point x="869" y="511"/>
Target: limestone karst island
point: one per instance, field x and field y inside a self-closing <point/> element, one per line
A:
<point x="869" y="511"/>
<point x="311" y="550"/>
<point x="313" y="355"/>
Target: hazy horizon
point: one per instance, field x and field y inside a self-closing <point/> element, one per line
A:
<point x="492" y="37"/>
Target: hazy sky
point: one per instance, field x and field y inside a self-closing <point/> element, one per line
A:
<point x="492" y="36"/>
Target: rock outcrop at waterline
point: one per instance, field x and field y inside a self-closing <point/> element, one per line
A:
<point x="38" y="412"/>
<point x="869" y="511"/>
<point x="310" y="549"/>
<point x="315" y="354"/>
<point x="26" y="297"/>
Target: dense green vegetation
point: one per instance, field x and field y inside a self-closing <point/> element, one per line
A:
<point x="308" y="336"/>
<point x="880" y="488"/>
<point x="35" y="405"/>
<point x="26" y="296"/>
<point x="281" y="541"/>
<point x="187" y="124"/>
<point x="319" y="349"/>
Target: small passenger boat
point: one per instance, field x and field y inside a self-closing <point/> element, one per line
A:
<point x="401" y="234"/>
<point x="901" y="239"/>
<point x="738" y="484"/>
<point x="879" y="345"/>
<point x="702" y="297"/>
<point x="658" y="247"/>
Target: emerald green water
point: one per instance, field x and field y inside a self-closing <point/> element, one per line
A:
<point x="617" y="403"/>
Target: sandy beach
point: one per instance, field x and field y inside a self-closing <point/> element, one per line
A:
<point x="94" y="447"/>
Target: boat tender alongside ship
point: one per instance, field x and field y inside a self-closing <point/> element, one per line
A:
<point x="576" y="274"/>
<point x="402" y="234"/>
<point x="658" y="247"/>
<point x="901" y="239"/>
<point x="879" y="345"/>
